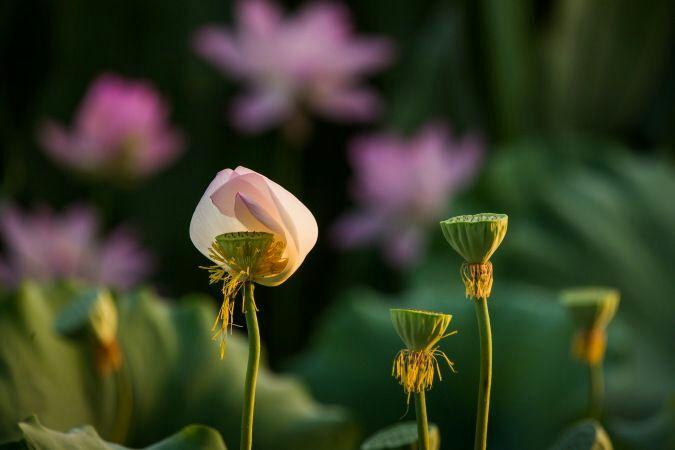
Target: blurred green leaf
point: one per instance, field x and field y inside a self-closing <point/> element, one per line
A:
<point x="436" y="61"/>
<point x="37" y="437"/>
<point x="604" y="60"/>
<point x="401" y="436"/>
<point x="600" y="219"/>
<point x="170" y="366"/>
<point x="587" y="435"/>
<point x="507" y="38"/>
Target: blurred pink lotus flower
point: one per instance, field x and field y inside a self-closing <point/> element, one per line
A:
<point x="401" y="186"/>
<point x="44" y="246"/>
<point x="121" y="130"/>
<point x="312" y="59"/>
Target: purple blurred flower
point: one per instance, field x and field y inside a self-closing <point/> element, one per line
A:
<point x="312" y="59"/>
<point x="401" y="186"/>
<point x="44" y="246"/>
<point x="121" y="130"/>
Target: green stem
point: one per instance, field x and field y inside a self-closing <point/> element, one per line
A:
<point x="124" y="404"/>
<point x="422" y="423"/>
<point x="596" y="390"/>
<point x="483" y="410"/>
<point x="251" y="369"/>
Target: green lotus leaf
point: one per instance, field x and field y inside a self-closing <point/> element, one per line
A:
<point x="475" y="237"/>
<point x="420" y="330"/>
<point x="36" y="437"/>
<point x="401" y="436"/>
<point x="171" y="376"/>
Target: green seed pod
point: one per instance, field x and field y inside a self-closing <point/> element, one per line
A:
<point x="475" y="237"/>
<point x="420" y="330"/>
<point x="244" y="249"/>
<point x="401" y="436"/>
<point x="416" y="366"/>
<point x="591" y="307"/>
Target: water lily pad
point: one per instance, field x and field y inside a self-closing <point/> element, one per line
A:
<point x="401" y="436"/>
<point x="37" y="437"/>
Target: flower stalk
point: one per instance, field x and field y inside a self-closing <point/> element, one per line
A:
<point x="416" y="366"/>
<point x="251" y="368"/>
<point x="484" y="386"/>
<point x="422" y="422"/>
<point x="476" y="238"/>
<point x="596" y="391"/>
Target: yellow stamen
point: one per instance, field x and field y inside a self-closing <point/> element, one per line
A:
<point x="589" y="345"/>
<point x="240" y="258"/>
<point x="415" y="370"/>
<point x="108" y="357"/>
<point x="477" y="279"/>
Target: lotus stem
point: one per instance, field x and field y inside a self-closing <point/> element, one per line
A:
<point x="483" y="410"/>
<point x="251" y="369"/>
<point x="596" y="390"/>
<point x="422" y="422"/>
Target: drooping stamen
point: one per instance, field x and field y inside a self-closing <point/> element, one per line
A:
<point x="477" y="279"/>
<point x="589" y="345"/>
<point x="241" y="257"/>
<point x="416" y="370"/>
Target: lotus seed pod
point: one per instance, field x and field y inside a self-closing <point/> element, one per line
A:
<point x="241" y="257"/>
<point x="415" y="366"/>
<point x="591" y="308"/>
<point x="401" y="436"/>
<point x="475" y="237"/>
<point x="420" y="330"/>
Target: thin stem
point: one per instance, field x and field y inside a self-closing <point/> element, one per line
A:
<point x="422" y="423"/>
<point x="124" y="404"/>
<point x="251" y="369"/>
<point x="483" y="411"/>
<point x="596" y="390"/>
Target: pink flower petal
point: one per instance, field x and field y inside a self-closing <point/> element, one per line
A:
<point x="218" y="46"/>
<point x="254" y="217"/>
<point x="259" y="111"/>
<point x="356" y="230"/>
<point x="351" y="104"/>
<point x="258" y="17"/>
